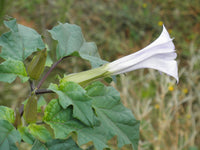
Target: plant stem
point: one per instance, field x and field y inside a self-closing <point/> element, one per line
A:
<point x="43" y="91"/>
<point x="32" y="86"/>
<point x="37" y="92"/>
<point x="21" y="110"/>
<point x="50" y="70"/>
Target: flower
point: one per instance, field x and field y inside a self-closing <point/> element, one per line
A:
<point x="185" y="90"/>
<point x="160" y="23"/>
<point x="171" y="88"/>
<point x="144" y="5"/>
<point x="156" y="106"/>
<point x="159" y="55"/>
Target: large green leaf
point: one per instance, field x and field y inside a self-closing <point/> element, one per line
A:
<point x="38" y="146"/>
<point x="10" y="69"/>
<point x="7" y="114"/>
<point x="67" y="144"/>
<point x="115" y="119"/>
<point x="98" y="135"/>
<point x="40" y="103"/>
<point x="71" y="42"/>
<point x="8" y="136"/>
<point x="72" y="94"/>
<point x="59" y="119"/>
<point x="40" y="132"/>
<point x="26" y="136"/>
<point x="19" y="42"/>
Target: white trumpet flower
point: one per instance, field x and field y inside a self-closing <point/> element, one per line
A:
<point x="159" y="55"/>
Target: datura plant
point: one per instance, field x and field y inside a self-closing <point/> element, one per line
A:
<point x="84" y="113"/>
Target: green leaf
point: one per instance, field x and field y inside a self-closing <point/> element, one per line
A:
<point x="57" y="144"/>
<point x="59" y="119"/>
<point x="40" y="132"/>
<point x="89" y="52"/>
<point x="98" y="135"/>
<point x="26" y="136"/>
<point x="71" y="42"/>
<point x="41" y="102"/>
<point x="49" y="61"/>
<point x="115" y="119"/>
<point x="10" y="69"/>
<point x="72" y="94"/>
<point x="38" y="146"/>
<point x="7" y="114"/>
<point x="68" y="144"/>
<point x="19" y="42"/>
<point x="8" y="136"/>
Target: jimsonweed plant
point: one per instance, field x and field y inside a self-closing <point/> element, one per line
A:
<point x="85" y="112"/>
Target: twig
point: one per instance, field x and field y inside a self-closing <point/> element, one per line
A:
<point x="43" y="91"/>
<point x="21" y="110"/>
<point x="32" y="86"/>
<point x="40" y="122"/>
<point x="50" y="70"/>
<point x="37" y="92"/>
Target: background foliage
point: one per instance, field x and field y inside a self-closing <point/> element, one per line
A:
<point x="169" y="113"/>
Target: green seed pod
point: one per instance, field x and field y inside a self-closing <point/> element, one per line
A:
<point x="18" y="121"/>
<point x="30" y="111"/>
<point x="36" y="66"/>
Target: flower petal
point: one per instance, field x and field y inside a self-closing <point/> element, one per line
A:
<point x="161" y="62"/>
<point x="159" y="55"/>
<point x="163" y="44"/>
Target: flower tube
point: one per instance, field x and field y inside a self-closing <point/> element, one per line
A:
<point x="159" y="55"/>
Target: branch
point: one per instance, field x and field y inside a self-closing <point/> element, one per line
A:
<point x="32" y="86"/>
<point x="50" y="70"/>
<point x="43" y="91"/>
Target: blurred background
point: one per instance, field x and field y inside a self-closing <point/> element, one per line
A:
<point x="169" y="112"/>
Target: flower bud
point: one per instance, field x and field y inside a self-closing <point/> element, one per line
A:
<point x="36" y="66"/>
<point x="30" y="111"/>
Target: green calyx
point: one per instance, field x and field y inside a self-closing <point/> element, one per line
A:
<point x="37" y="65"/>
<point x="30" y="111"/>
<point x="85" y="77"/>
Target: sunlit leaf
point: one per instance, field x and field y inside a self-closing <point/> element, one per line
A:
<point x="72" y="94"/>
<point x="59" y="119"/>
<point x="40" y="132"/>
<point x="26" y="136"/>
<point x="7" y="114"/>
<point x="41" y="102"/>
<point x="10" y="69"/>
